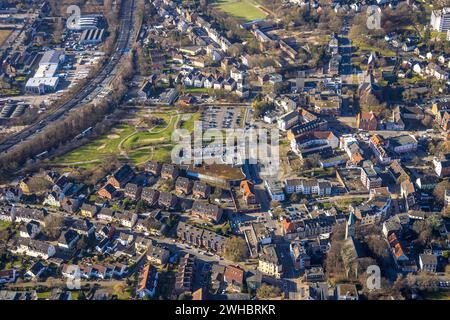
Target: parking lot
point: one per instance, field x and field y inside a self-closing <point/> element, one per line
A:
<point x="215" y="117"/>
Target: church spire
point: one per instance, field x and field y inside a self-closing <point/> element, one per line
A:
<point x="350" y="226"/>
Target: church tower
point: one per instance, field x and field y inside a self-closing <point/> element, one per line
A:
<point x="350" y="226"/>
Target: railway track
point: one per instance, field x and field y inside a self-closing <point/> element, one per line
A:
<point x="93" y="87"/>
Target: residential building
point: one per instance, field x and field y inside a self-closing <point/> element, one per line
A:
<point x="307" y="186"/>
<point x="234" y="277"/>
<point x="126" y="218"/>
<point x="185" y="276"/>
<point x="30" y="230"/>
<point x="206" y="211"/>
<point x="157" y="254"/>
<point x="370" y="178"/>
<point x="167" y="200"/>
<point x="83" y="227"/>
<point x="25" y="214"/>
<point x="269" y="262"/>
<point x="34" y="248"/>
<point x="246" y="188"/>
<point x="108" y="192"/>
<point x="150" y="196"/>
<point x="8" y="276"/>
<point x="169" y="171"/>
<point x="133" y="191"/>
<point x="68" y="239"/>
<point x="88" y="210"/>
<point x="153" y="167"/>
<point x="201" y="238"/>
<point x="106" y="214"/>
<point x="442" y="166"/>
<point x="201" y="190"/>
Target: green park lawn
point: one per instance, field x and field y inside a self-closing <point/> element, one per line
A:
<point x="189" y="123"/>
<point x="89" y="155"/>
<point x="241" y="9"/>
<point x="441" y="295"/>
<point x="129" y="142"/>
<point x="157" y="135"/>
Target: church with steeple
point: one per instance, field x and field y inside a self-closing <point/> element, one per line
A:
<point x="350" y="226"/>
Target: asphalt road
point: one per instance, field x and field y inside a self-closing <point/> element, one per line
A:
<point x="93" y="87"/>
<point x="345" y="49"/>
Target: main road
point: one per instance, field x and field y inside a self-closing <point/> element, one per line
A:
<point x="93" y="87"/>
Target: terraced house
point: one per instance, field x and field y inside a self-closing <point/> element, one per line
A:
<point x="206" y="211"/>
<point x="121" y="177"/>
<point x="269" y="262"/>
<point x="201" y="190"/>
<point x="24" y="214"/>
<point x="150" y="196"/>
<point x="183" y="185"/>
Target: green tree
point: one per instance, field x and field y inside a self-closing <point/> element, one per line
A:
<point x="439" y="190"/>
<point x="266" y="291"/>
<point x="236" y="249"/>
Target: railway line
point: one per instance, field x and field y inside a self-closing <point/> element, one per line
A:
<point x="95" y="86"/>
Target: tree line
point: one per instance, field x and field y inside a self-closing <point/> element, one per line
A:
<point x="59" y="133"/>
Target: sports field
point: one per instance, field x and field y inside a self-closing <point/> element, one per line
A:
<point x="245" y="10"/>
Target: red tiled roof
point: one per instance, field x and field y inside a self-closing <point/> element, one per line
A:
<point x="234" y="274"/>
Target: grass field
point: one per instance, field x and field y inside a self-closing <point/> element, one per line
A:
<point x="241" y="9"/>
<point x="129" y="142"/>
<point x="4" y="225"/>
<point x="4" y="34"/>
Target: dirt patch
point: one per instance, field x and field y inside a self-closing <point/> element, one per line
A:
<point x="113" y="136"/>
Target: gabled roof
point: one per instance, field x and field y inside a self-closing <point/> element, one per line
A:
<point x="124" y="172"/>
<point x="234" y="275"/>
<point x="109" y="188"/>
<point x="247" y="187"/>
